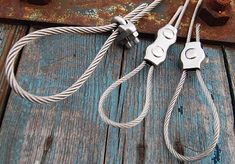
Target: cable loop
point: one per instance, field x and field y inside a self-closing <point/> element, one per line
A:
<point x="169" y="113"/>
<point x="192" y="63"/>
<point x="134" y="16"/>
<point x="167" y="36"/>
<point x="147" y="99"/>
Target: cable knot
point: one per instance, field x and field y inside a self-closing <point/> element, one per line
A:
<point x="128" y="32"/>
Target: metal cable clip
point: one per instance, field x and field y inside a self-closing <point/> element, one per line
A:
<point x="193" y="55"/>
<point x="167" y="35"/>
<point x="128" y="32"/>
<point x="156" y="52"/>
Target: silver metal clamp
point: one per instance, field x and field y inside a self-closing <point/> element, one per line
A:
<point x="128" y="32"/>
<point x="192" y="55"/>
<point x="156" y="52"/>
<point x="167" y="36"/>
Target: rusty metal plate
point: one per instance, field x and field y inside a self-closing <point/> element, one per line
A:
<point x="100" y="12"/>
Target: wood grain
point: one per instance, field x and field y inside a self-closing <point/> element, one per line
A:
<point x="72" y="132"/>
<point x="230" y="65"/>
<point x="9" y="34"/>
<point x="191" y="125"/>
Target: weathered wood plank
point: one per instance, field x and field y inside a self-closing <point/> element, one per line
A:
<point x="230" y="61"/>
<point x="191" y="125"/>
<point x="8" y="35"/>
<point x="122" y="144"/>
<point x="78" y="135"/>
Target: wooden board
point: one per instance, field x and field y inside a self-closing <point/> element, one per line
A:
<point x="100" y="12"/>
<point x="191" y="126"/>
<point x="8" y="35"/>
<point x="230" y="61"/>
<point x="76" y="132"/>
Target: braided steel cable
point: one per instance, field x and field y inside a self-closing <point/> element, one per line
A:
<point x="177" y="16"/>
<point x="147" y="98"/>
<point x="134" y="16"/>
<point x="170" y="109"/>
<point x="169" y="113"/>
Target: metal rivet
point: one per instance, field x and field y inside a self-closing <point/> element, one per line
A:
<point x="168" y="33"/>
<point x="158" y="51"/>
<point x="191" y="53"/>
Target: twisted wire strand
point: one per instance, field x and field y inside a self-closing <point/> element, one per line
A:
<point x="169" y="113"/>
<point x="176" y="15"/>
<point x="119" y="82"/>
<point x="134" y="16"/>
<point x="198" y="32"/>
<point x="215" y="139"/>
<point x="182" y="13"/>
<point x="190" y="31"/>
<point x="179" y="14"/>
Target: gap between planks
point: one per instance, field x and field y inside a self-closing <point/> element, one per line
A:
<point x="9" y="34"/>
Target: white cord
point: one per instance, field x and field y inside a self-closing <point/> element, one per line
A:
<point x="134" y="16"/>
<point x="208" y="97"/>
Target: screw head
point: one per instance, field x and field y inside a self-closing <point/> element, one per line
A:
<point x="157" y="51"/>
<point x="191" y="53"/>
<point x="168" y="33"/>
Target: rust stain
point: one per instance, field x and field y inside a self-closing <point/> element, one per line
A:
<point x="93" y="13"/>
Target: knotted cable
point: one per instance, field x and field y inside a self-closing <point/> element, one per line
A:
<point x="134" y="16"/>
<point x="208" y="97"/>
<point x="179" y="13"/>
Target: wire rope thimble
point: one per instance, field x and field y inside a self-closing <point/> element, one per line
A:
<point x="128" y="32"/>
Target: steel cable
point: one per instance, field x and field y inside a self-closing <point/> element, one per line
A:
<point x="134" y="16"/>
<point x="177" y="16"/>
<point x="147" y="98"/>
<point x="211" y="147"/>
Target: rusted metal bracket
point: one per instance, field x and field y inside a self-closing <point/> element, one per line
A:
<point x="93" y="13"/>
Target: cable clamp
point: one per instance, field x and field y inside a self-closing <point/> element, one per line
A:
<point x="156" y="52"/>
<point x="128" y="32"/>
<point x="192" y="56"/>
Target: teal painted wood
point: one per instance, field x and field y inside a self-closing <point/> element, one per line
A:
<point x="128" y="145"/>
<point x="48" y="66"/>
<point x="79" y="136"/>
<point x="191" y="125"/>
<point x="230" y="59"/>
<point x="8" y="35"/>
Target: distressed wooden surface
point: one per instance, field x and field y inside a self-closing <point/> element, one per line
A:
<point x="230" y="61"/>
<point x="100" y="12"/>
<point x="72" y="128"/>
<point x="8" y="35"/>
